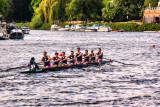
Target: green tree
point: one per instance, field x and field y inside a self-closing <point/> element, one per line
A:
<point x="4" y="5"/>
<point x="109" y="10"/>
<point x="120" y="10"/>
<point x="51" y="10"/>
<point x="154" y="3"/>
<point x="84" y="10"/>
<point x="35" y="3"/>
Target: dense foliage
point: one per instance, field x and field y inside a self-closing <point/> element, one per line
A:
<point x="152" y="2"/>
<point x="84" y="10"/>
<point x="19" y="11"/>
<point x="52" y="11"/>
<point x="4" y="5"/>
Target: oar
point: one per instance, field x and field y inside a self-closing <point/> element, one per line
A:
<point x="118" y="62"/>
<point x="23" y="66"/>
<point x="15" y="68"/>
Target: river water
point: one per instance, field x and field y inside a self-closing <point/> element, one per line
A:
<point x="110" y="85"/>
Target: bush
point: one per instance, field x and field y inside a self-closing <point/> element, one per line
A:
<point x="149" y="27"/>
<point x="24" y="24"/>
<point x="36" y="22"/>
<point x="45" y="26"/>
<point x="124" y="26"/>
<point x="134" y="26"/>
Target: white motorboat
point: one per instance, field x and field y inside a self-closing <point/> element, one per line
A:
<point x="25" y="29"/>
<point x="104" y="29"/>
<point x="66" y="28"/>
<point x="79" y="27"/>
<point x="54" y="27"/>
<point x="90" y="29"/>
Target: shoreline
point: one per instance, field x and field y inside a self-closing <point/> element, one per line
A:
<point x="101" y="32"/>
<point x="127" y="27"/>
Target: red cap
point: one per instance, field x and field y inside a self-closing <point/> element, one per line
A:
<point x="60" y="54"/>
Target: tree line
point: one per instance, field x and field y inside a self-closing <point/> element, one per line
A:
<point x="51" y="11"/>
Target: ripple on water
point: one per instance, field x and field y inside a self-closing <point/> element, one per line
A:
<point x="109" y="85"/>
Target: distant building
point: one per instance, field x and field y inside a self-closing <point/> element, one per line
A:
<point x="152" y="14"/>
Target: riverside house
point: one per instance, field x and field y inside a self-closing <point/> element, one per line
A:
<point x="152" y="14"/>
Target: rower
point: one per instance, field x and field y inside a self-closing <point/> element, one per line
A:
<point x="63" y="59"/>
<point x="78" y="56"/>
<point x="56" y="60"/>
<point x="99" y="55"/>
<point x="92" y="56"/>
<point x="46" y="60"/>
<point x="71" y="58"/>
<point x="86" y="57"/>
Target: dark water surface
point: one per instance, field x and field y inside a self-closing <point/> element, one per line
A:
<point x="108" y="85"/>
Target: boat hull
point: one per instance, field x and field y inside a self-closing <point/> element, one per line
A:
<point x="54" y="29"/>
<point x="16" y="35"/>
<point x="3" y="38"/>
<point x="26" y="31"/>
<point x="79" y="30"/>
<point x="68" y="67"/>
<point x="63" y="29"/>
<point x="90" y="30"/>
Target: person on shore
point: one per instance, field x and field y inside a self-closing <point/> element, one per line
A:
<point x="33" y="66"/>
<point x="78" y="56"/>
<point x="71" y="58"/>
<point x="92" y="56"/>
<point x="46" y="60"/>
<point x="99" y="55"/>
<point x="64" y="60"/>
<point x="86" y="57"/>
<point x="56" y="60"/>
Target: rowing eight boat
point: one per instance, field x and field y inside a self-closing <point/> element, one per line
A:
<point x="66" y="67"/>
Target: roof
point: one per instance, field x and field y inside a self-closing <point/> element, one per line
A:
<point x="96" y="25"/>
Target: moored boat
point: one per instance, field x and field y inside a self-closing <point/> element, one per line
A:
<point x="67" y="67"/>
<point x="3" y="35"/>
<point x="10" y="27"/>
<point x="104" y="29"/>
<point x="79" y="27"/>
<point x="66" y="28"/>
<point x="54" y="27"/>
<point x="25" y="29"/>
<point x="72" y="28"/>
<point x="118" y="30"/>
<point x="121" y="30"/>
<point x="90" y="29"/>
<point x="96" y="26"/>
<point x="16" y="34"/>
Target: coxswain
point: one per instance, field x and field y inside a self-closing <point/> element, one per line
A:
<point x="33" y="66"/>
<point x="46" y="60"/>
